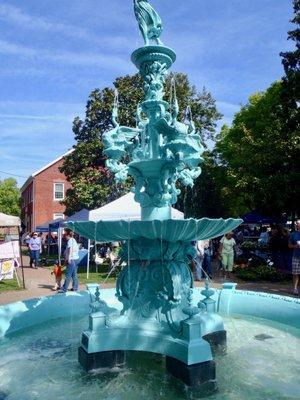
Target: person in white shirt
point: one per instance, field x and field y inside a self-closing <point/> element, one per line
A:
<point x="71" y="259"/>
<point x="226" y="251"/>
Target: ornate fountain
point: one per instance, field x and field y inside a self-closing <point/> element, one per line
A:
<point x="155" y="286"/>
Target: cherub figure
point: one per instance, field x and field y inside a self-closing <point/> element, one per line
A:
<point x="149" y="21"/>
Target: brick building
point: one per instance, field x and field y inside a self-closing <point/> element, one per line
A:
<point x="42" y="193"/>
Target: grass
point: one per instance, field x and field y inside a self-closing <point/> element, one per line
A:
<point x="94" y="277"/>
<point x="9" y="284"/>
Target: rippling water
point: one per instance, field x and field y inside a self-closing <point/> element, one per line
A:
<point x="261" y="363"/>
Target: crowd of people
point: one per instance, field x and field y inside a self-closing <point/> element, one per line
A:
<point x="283" y="245"/>
<point x="279" y="242"/>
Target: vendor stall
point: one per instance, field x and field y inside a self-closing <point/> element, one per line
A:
<point x="10" y="248"/>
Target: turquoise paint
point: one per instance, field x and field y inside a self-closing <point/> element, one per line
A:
<point x="20" y="315"/>
<point x="155" y="285"/>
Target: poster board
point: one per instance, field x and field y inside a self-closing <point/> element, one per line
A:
<point x="9" y="249"/>
<point x="7" y="269"/>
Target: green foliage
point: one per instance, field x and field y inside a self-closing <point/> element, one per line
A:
<point x="92" y="183"/>
<point x="291" y="64"/>
<point x="261" y="273"/>
<point x="203" y="105"/>
<point x="261" y="156"/>
<point x="205" y="198"/>
<point x="253" y="245"/>
<point x="9" y="197"/>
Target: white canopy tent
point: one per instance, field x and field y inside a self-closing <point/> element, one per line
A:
<point x="123" y="208"/>
<point x="10" y="221"/>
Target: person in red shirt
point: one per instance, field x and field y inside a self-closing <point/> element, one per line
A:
<point x="57" y="272"/>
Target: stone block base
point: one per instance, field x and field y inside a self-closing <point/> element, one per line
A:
<point x="105" y="359"/>
<point x="202" y="374"/>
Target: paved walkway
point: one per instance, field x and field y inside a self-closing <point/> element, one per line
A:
<point x="39" y="282"/>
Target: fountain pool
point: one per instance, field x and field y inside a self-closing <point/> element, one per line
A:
<point x="40" y="363"/>
<point x="40" y="339"/>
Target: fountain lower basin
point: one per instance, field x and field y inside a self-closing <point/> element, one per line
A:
<point x="41" y="336"/>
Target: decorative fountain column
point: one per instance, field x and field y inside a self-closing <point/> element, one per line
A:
<point x="155" y="286"/>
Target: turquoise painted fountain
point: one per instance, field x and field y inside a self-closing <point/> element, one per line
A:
<point x="155" y="285"/>
<point x="155" y="308"/>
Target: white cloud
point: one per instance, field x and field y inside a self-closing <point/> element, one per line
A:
<point x="15" y="15"/>
<point x="106" y="61"/>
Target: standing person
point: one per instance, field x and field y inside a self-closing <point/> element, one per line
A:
<point x="226" y="251"/>
<point x="58" y="275"/>
<point x="71" y="260"/>
<point x="264" y="236"/>
<point x="294" y="243"/>
<point x="204" y="249"/>
<point x="197" y="261"/>
<point x="34" y="249"/>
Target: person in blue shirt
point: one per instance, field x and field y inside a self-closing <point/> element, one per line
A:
<point x="294" y="243"/>
<point x="34" y="245"/>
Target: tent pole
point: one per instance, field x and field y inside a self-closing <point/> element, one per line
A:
<point x="59" y="244"/>
<point x="21" y="257"/>
<point x="88" y="260"/>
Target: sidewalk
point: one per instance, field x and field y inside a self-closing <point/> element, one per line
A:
<point x="39" y="282"/>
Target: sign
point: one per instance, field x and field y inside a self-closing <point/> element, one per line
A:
<point x="9" y="249"/>
<point x="7" y="269"/>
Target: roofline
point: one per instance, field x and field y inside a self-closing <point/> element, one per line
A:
<point x="27" y="182"/>
<point x="32" y="176"/>
<point x="52" y="163"/>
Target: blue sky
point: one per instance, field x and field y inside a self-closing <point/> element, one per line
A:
<point x="54" y="52"/>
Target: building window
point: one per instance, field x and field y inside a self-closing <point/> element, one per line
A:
<point x="59" y="191"/>
<point x="58" y="216"/>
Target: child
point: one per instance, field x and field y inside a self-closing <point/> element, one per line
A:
<point x="58" y="275"/>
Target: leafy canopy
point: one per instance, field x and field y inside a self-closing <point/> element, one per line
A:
<point x="92" y="184"/>
<point x="261" y="156"/>
<point x="9" y="197"/>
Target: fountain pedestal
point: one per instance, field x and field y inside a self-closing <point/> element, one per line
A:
<point x="155" y="285"/>
<point x="186" y="345"/>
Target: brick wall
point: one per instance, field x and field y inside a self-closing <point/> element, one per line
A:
<point x="44" y="204"/>
<point x="27" y="207"/>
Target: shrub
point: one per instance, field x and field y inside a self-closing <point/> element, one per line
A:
<point x="261" y="273"/>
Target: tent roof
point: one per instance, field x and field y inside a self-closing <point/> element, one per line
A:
<point x="9" y="220"/>
<point x="123" y="208"/>
<point x="254" y="217"/>
<point x="54" y="225"/>
<point x="82" y="215"/>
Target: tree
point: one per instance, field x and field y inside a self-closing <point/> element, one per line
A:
<point x="206" y="199"/>
<point x="92" y="183"/>
<point x="261" y="156"/>
<point x="291" y="64"/>
<point x="9" y="197"/>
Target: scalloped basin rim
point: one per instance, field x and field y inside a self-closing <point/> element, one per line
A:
<point x="169" y="230"/>
<point x="229" y="301"/>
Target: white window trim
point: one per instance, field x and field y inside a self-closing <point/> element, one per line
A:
<point x="60" y="183"/>
<point x="60" y="213"/>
